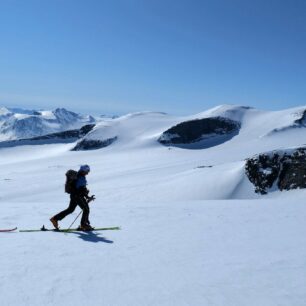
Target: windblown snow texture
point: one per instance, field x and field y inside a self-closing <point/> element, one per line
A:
<point x="194" y="231"/>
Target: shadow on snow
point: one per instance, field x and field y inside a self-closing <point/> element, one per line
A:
<point x="91" y="237"/>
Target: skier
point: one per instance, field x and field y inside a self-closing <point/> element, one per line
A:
<point x="78" y="196"/>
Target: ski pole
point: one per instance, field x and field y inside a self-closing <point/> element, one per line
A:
<point x="92" y="198"/>
<point x="74" y="220"/>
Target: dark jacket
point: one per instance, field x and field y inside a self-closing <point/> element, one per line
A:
<point x="80" y="184"/>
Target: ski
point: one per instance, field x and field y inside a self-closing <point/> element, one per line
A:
<point x="8" y="230"/>
<point x="67" y="230"/>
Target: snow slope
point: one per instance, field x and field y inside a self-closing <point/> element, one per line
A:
<point x="193" y="230"/>
<point x="167" y="253"/>
<point x="19" y="123"/>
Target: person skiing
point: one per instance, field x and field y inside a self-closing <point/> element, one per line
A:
<point x="78" y="196"/>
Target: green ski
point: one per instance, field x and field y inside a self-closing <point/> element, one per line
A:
<point x="67" y="230"/>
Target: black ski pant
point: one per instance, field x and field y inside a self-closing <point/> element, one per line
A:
<point x="74" y="201"/>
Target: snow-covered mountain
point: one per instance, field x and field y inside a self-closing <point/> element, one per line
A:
<point x="19" y="123"/>
<point x="225" y="126"/>
<point x="198" y="198"/>
<point x="217" y="142"/>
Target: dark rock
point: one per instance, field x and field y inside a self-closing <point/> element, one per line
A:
<point x="296" y="124"/>
<point x="86" y="144"/>
<point x="67" y="134"/>
<point x="200" y="167"/>
<point x="284" y="169"/>
<point x="86" y="129"/>
<point x="293" y="172"/>
<point x="301" y="122"/>
<point x="262" y="171"/>
<point x="200" y="133"/>
<point x="61" y="137"/>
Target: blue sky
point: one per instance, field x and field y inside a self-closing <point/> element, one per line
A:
<point x="178" y="56"/>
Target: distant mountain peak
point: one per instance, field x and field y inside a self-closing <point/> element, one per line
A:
<point x="16" y="123"/>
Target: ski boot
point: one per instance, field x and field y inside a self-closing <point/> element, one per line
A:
<point x="86" y="227"/>
<point x="55" y="223"/>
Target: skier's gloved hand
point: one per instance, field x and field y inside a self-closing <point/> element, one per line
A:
<point x="92" y="198"/>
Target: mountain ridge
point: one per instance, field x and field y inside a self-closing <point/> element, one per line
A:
<point x="16" y="123"/>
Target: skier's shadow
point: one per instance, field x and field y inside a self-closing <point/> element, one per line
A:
<point x="91" y="237"/>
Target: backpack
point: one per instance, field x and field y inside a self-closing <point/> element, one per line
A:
<point x="71" y="177"/>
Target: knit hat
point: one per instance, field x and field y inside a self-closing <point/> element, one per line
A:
<point x="85" y="168"/>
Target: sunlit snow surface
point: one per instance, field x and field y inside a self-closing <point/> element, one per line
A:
<point x="193" y="230"/>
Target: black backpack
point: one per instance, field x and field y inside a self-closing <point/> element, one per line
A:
<point x="71" y="177"/>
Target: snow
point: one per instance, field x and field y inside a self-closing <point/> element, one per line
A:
<point x="4" y="111"/>
<point x="193" y="231"/>
<point x="17" y="123"/>
<point x="180" y="253"/>
<point x="233" y="112"/>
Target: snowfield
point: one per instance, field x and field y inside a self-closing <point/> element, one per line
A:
<point x="22" y="124"/>
<point x="193" y="231"/>
<point x="169" y="253"/>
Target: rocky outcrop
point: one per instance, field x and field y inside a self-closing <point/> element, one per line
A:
<point x="71" y="134"/>
<point x="284" y="170"/>
<point x="300" y="122"/>
<point x="205" y="132"/>
<point x="61" y="137"/>
<point x="89" y="144"/>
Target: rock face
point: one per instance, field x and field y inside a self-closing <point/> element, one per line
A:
<point x="79" y="133"/>
<point x="61" y="137"/>
<point x="284" y="170"/>
<point x="298" y="123"/>
<point x="200" y="133"/>
<point x="89" y="144"/>
<point x="301" y="122"/>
